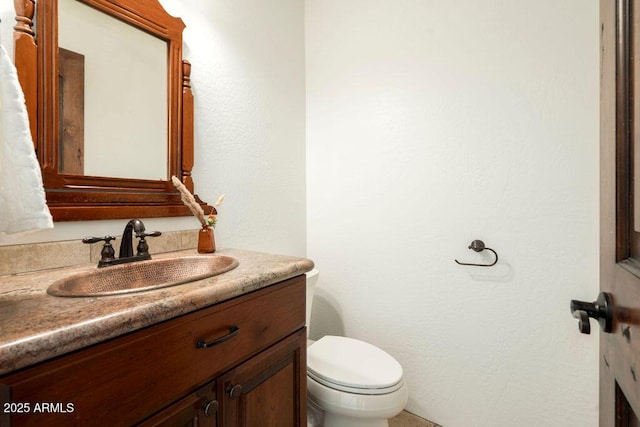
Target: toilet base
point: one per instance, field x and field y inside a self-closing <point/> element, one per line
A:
<point x="318" y="418"/>
<point x="315" y="415"/>
<point x="346" y="409"/>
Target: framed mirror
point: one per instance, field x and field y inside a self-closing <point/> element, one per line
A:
<point x="110" y="106"/>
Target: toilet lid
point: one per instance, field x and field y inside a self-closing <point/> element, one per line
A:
<point x="351" y="365"/>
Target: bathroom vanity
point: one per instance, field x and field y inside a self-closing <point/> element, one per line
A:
<point x="225" y="351"/>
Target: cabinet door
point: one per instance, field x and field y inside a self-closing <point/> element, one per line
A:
<point x="268" y="390"/>
<point x="199" y="409"/>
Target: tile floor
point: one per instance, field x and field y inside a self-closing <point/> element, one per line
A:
<point x="407" y="419"/>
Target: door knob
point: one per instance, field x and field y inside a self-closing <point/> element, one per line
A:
<point x="601" y="310"/>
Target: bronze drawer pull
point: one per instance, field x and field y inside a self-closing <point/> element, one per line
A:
<point x="233" y="331"/>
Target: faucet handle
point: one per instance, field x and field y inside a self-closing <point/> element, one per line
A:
<point x="108" y="253"/>
<point x="105" y="239"/>
<point x="143" y="247"/>
<point x="143" y="234"/>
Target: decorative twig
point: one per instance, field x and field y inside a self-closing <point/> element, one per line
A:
<point x="212" y="219"/>
<point x="189" y="201"/>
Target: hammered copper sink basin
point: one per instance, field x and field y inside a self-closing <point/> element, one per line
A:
<point x="141" y="276"/>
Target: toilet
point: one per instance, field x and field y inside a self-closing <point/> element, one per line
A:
<point x="350" y="383"/>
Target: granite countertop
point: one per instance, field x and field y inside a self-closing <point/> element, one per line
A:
<point x="35" y="326"/>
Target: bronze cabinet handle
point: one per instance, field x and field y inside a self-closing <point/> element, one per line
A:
<point x="209" y="407"/>
<point x="233" y="331"/>
<point x="235" y="391"/>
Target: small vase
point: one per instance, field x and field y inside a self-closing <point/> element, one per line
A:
<point x="206" y="240"/>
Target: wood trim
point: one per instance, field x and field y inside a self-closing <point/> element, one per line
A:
<point x="187" y="126"/>
<point x="624" y="203"/>
<point x="26" y="54"/>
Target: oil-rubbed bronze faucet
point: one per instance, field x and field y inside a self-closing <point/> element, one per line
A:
<point x="126" y="247"/>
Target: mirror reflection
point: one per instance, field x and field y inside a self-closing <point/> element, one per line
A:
<point x="113" y="98"/>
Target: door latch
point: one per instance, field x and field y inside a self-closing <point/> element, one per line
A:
<point x="601" y="310"/>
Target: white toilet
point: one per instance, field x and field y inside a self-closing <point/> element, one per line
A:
<point x="350" y="383"/>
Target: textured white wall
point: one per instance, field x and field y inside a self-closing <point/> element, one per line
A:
<point x="433" y="123"/>
<point x="248" y="80"/>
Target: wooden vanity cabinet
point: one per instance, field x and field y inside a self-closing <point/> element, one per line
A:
<point x="251" y="373"/>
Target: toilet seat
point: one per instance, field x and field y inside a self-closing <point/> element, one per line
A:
<point x="353" y="366"/>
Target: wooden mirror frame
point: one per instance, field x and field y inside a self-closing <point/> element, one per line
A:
<point x="79" y="197"/>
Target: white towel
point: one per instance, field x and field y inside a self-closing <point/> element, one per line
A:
<point x="23" y="205"/>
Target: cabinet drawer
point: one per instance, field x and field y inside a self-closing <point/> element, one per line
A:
<point x="122" y="381"/>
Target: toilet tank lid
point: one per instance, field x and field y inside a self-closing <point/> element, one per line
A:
<point x="352" y="363"/>
<point x="312" y="274"/>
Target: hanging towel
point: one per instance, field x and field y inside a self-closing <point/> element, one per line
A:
<point x="23" y="206"/>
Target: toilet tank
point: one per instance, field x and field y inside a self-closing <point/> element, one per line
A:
<point x="312" y="280"/>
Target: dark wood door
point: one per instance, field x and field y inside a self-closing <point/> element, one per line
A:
<point x="620" y="210"/>
<point x="269" y="390"/>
